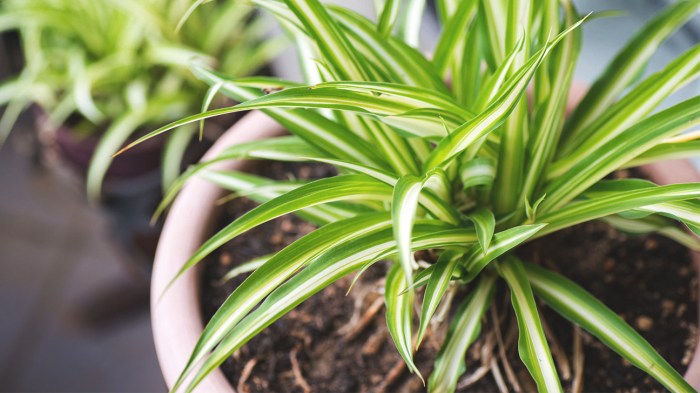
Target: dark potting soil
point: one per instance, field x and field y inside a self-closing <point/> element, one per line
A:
<point x="339" y="343"/>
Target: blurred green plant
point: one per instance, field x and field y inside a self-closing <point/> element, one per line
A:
<point x="469" y="169"/>
<point x="119" y="67"/>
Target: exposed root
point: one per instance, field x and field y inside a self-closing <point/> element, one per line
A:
<point x="510" y="374"/>
<point x="358" y="327"/>
<point x="474" y="377"/>
<point x="579" y="358"/>
<point x="298" y="376"/>
<point x="498" y="377"/>
<point x="485" y="354"/>
<point x="245" y="374"/>
<point x="392" y="376"/>
<point x="558" y="352"/>
<point x="356" y="313"/>
<point x="374" y="343"/>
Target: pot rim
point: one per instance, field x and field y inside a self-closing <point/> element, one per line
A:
<point x="176" y="331"/>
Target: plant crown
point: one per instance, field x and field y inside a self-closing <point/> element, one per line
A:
<point x="470" y="169"/>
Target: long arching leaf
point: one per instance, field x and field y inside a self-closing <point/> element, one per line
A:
<point x="583" y="309"/>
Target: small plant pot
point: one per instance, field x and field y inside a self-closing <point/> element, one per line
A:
<point x="176" y="314"/>
<point x="77" y="151"/>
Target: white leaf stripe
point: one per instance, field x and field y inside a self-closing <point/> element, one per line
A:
<point x="438" y="280"/>
<point x="315" y="129"/>
<point x="532" y="344"/>
<point x="574" y="303"/>
<point x="578" y="212"/>
<point x="621" y="150"/>
<point x="269" y="276"/>
<point x="403" y="212"/>
<point x="628" y="63"/>
<point x="631" y="109"/>
<point x="487" y="121"/>
<point x="325" y="269"/>
<point x="464" y="330"/>
<point x="313" y="193"/>
<point x="399" y="313"/>
<point x="485" y="224"/>
<point x="502" y="243"/>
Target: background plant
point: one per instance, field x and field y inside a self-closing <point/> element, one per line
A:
<point x="470" y="169"/>
<point x="115" y="68"/>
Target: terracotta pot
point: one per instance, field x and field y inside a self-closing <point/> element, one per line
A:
<point x="177" y="318"/>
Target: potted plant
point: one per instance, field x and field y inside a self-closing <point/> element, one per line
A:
<point x="100" y="72"/>
<point x="470" y="173"/>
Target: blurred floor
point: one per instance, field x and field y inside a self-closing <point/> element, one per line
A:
<point x="60" y="278"/>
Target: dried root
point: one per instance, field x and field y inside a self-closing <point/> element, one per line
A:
<point x="351" y="330"/>
<point x="296" y="370"/>
<point x="557" y="352"/>
<point x="577" y="383"/>
<point x="247" y="370"/>
<point x="392" y="376"/>
<point x="485" y="355"/>
<point x="510" y="374"/>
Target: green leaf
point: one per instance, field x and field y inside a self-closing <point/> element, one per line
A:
<point x="464" y="330"/>
<point x="654" y="224"/>
<point x="263" y="190"/>
<point x="532" y="343"/>
<point x="687" y="212"/>
<point x="173" y="153"/>
<point x="494" y="15"/>
<point x="247" y="267"/>
<point x="409" y="22"/>
<point x="583" y="309"/>
<point x="324" y="270"/>
<point x="208" y="98"/>
<point x="314" y="193"/>
<point x="510" y="169"/>
<point x="461" y="138"/>
<point x="637" y="104"/>
<point x="399" y="313"/>
<point x="550" y="113"/>
<point x="388" y="17"/>
<point x="502" y="242"/>
<point x="403" y="213"/>
<point x="112" y="140"/>
<point x="273" y="273"/>
<point x="437" y="282"/>
<point x="629" y="62"/>
<point x="620" y="150"/>
<point x="477" y="172"/>
<point x="667" y="151"/>
<point x="582" y="211"/>
<point x="326" y="34"/>
<point x="485" y="224"/>
<point x="398" y="60"/>
<point x="405" y="199"/>
<point x="280" y="148"/>
<point x="449" y="39"/>
<point x="325" y="135"/>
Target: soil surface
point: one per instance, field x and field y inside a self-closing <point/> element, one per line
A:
<point x="339" y="343"/>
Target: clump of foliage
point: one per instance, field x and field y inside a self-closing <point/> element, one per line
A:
<point x="470" y="169"/>
<point x="121" y="66"/>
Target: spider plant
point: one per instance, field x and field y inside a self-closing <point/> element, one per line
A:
<point x="470" y="169"/>
<point x="119" y="67"/>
